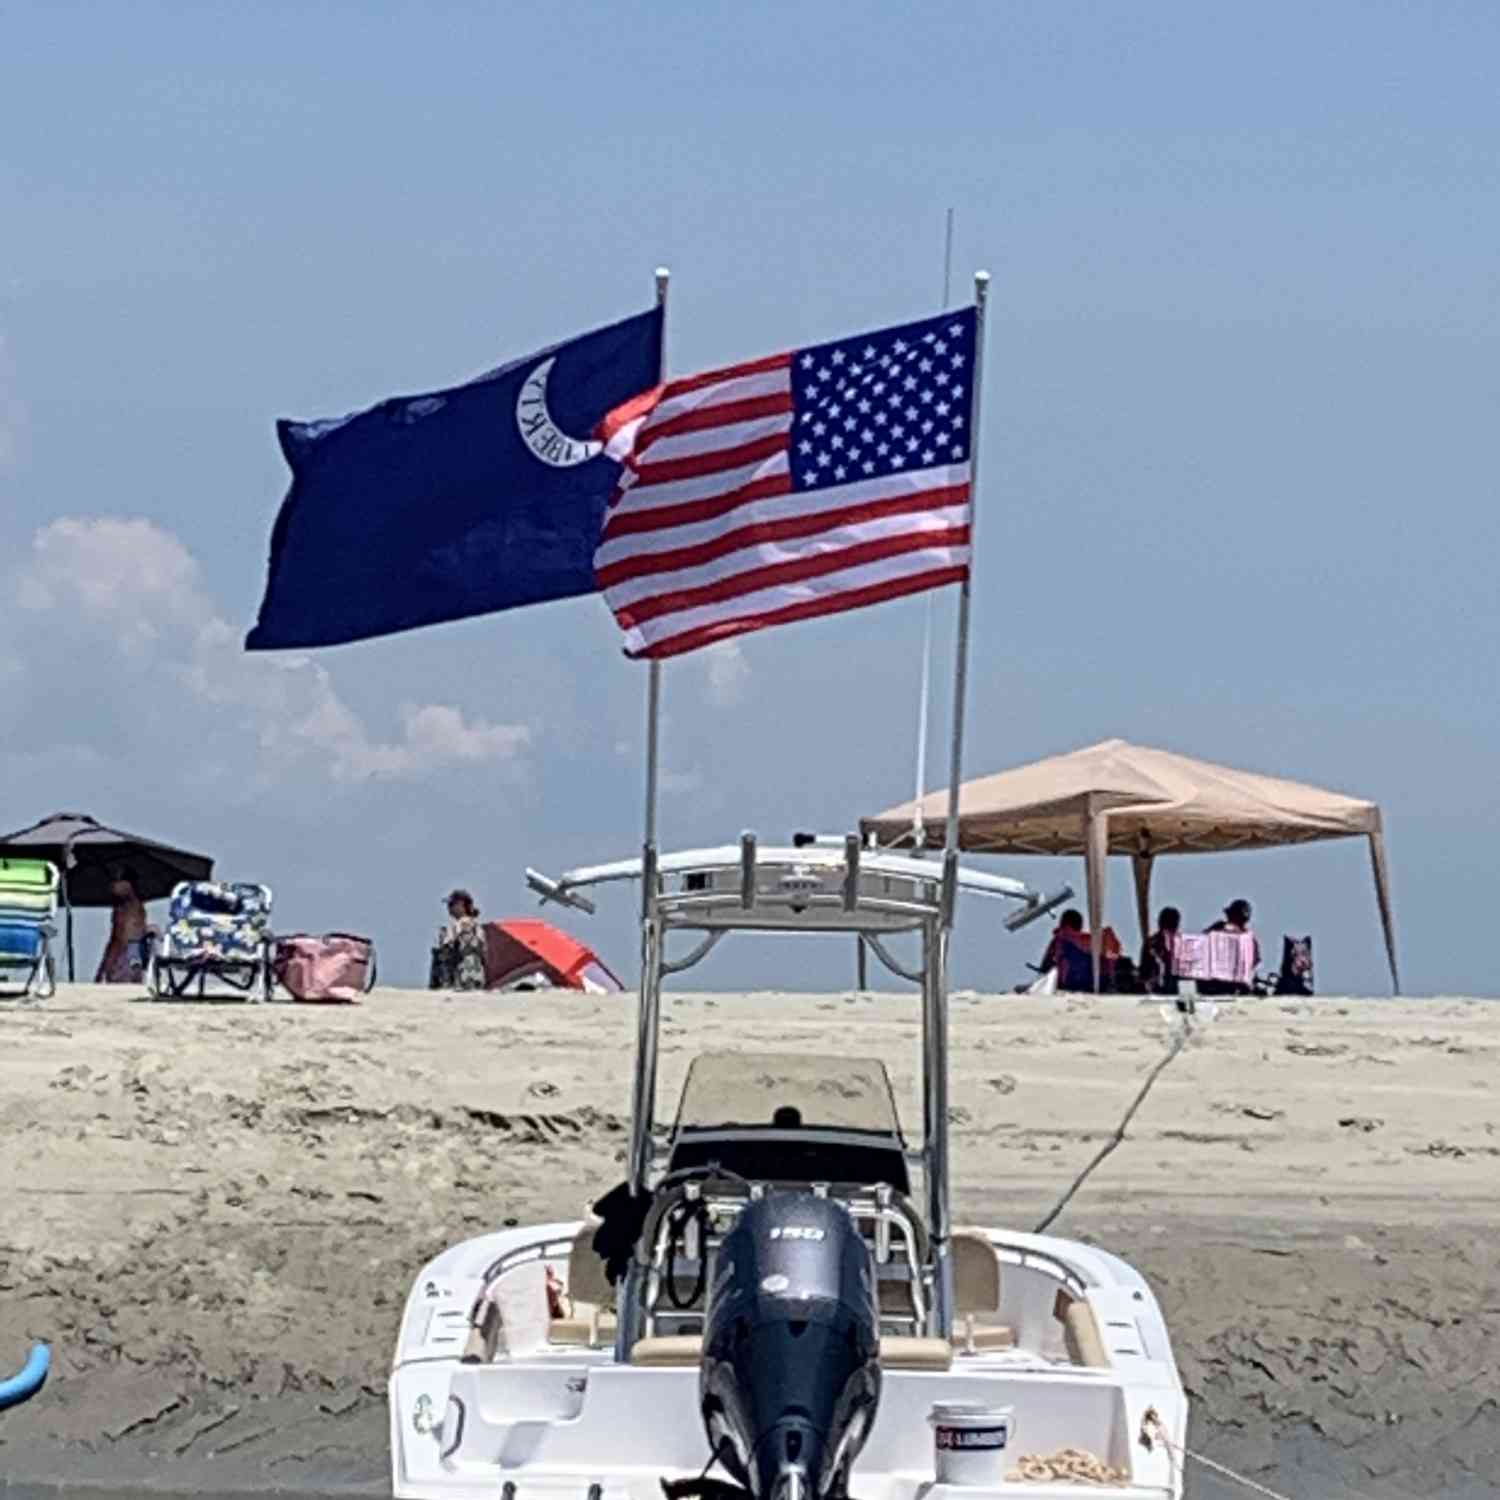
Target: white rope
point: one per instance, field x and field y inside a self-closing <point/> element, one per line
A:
<point x="1153" y="1427"/>
<point x="1178" y="1044"/>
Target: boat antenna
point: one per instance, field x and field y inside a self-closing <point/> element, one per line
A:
<point x="918" y="823"/>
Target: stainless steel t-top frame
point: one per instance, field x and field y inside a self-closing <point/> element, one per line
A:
<point x="827" y="887"/>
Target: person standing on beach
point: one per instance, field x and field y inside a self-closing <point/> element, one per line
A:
<point x="458" y="958"/>
<point x="124" y="958"/>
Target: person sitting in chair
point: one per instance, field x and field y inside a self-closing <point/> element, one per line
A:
<point x="1156" y="957"/>
<point x="1069" y="954"/>
<point x="1236" y="919"/>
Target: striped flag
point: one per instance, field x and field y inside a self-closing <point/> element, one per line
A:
<point x="799" y="485"/>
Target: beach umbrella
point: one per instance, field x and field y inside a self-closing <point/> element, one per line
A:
<point x="85" y="851"/>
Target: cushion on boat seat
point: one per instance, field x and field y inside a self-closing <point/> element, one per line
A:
<point x="667" y="1352"/>
<point x="588" y="1328"/>
<point x="1081" y="1335"/>
<point x="984" y="1338"/>
<point x="976" y="1272"/>
<point x="976" y="1291"/>
<point x="591" y="1297"/>
<point x="915" y="1354"/>
<point x="587" y="1280"/>
<point x="683" y="1350"/>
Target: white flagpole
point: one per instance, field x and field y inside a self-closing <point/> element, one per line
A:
<point x="653" y="678"/>
<point x="961" y="650"/>
<point x="643" y="1100"/>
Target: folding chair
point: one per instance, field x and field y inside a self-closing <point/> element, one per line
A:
<point x="28" y="903"/>
<point x="215" y="931"/>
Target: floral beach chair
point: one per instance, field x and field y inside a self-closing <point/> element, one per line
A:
<point x="214" y="931"/>
<point x="28" y="904"/>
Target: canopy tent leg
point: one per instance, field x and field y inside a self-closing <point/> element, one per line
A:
<point x="1141" y="865"/>
<point x="1383" y="899"/>
<point x="1096" y="857"/>
<point x="861" y="975"/>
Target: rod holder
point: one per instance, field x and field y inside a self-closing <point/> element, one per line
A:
<point x="554" y="890"/>
<point x="851" y="871"/>
<point x="747" y="871"/>
<point x="1036" y="909"/>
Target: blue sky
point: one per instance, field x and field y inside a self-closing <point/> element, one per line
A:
<point x="1238" y="489"/>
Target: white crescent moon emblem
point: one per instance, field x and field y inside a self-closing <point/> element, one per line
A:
<point x="540" y="433"/>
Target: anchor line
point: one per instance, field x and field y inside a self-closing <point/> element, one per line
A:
<point x="1154" y="1429"/>
<point x="1119" y="1135"/>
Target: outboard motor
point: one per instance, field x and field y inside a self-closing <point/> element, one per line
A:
<point x="790" y="1377"/>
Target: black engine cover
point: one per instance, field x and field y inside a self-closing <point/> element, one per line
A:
<point x="790" y="1378"/>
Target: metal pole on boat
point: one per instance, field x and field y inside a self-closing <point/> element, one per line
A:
<point x="935" y="1034"/>
<point x="653" y="679"/>
<point x="961" y="648"/>
<point x="643" y="1104"/>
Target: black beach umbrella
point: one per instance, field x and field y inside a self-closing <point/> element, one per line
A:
<point x="86" y="852"/>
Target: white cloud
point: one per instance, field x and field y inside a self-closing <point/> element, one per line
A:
<point x="126" y="595"/>
<point x="728" y="673"/>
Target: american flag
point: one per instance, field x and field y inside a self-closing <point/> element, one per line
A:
<point x="798" y="485"/>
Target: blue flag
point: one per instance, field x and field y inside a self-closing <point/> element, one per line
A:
<point x="456" y="503"/>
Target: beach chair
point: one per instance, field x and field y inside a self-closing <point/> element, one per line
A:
<point x="214" y="931"/>
<point x="28" y="903"/>
<point x="1295" y="977"/>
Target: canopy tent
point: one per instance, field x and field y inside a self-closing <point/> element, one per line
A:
<point x="84" y="851"/>
<point x="1119" y="798"/>
<point x="524" y="949"/>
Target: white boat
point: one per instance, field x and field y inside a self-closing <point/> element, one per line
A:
<point x="793" y="1313"/>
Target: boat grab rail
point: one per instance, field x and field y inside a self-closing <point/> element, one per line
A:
<point x="550" y="1247"/>
<point x="672" y="904"/>
<point x="883" y="1210"/>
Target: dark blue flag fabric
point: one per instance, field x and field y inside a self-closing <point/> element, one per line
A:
<point x="456" y="503"/>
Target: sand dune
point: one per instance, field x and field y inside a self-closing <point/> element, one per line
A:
<point x="214" y="1211"/>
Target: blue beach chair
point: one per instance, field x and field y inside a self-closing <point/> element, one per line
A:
<point x="214" y="931"/>
<point x="28" y="904"/>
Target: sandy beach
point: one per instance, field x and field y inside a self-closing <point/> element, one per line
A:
<point x="214" y="1211"/>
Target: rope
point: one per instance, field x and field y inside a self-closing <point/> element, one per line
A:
<point x="1178" y="1044"/>
<point x="1152" y="1429"/>
<point x="1066" y="1466"/>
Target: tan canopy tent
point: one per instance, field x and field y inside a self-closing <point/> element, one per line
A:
<point x="1118" y="798"/>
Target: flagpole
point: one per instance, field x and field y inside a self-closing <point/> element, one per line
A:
<point x="643" y="1102"/>
<point x="653" y="677"/>
<point x="961" y="649"/>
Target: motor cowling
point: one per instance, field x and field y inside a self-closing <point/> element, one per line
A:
<point x="790" y="1377"/>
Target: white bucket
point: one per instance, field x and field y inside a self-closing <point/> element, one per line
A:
<point x="969" y="1442"/>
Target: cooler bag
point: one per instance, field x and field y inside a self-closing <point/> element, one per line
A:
<point x="336" y="966"/>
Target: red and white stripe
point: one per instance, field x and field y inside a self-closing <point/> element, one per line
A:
<point x="706" y="538"/>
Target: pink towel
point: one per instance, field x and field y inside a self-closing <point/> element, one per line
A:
<point x="1225" y="956"/>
